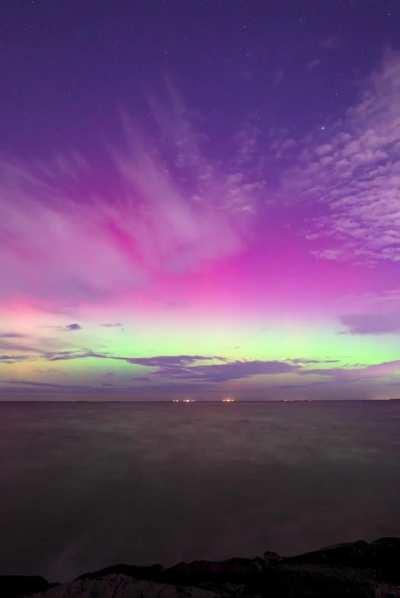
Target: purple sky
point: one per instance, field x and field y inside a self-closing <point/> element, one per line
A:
<point x="200" y="199"/>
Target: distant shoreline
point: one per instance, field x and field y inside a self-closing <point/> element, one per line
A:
<point x="196" y="401"/>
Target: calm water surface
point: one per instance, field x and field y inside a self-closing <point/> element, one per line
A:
<point x="86" y="485"/>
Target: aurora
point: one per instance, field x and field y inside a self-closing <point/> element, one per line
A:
<point x="202" y="238"/>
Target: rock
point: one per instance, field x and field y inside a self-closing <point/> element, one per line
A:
<point x="316" y="581"/>
<point x="385" y="591"/>
<point x="12" y="586"/>
<point x="152" y="572"/>
<point x="384" y="555"/>
<point x="352" y="570"/>
<point x="236" y="571"/>
<point x="271" y="558"/>
<point x="122" y="586"/>
<point x="352" y="554"/>
<point x="381" y="556"/>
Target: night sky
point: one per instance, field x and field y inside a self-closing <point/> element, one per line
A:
<point x="199" y="199"/>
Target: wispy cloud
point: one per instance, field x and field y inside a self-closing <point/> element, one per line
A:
<point x="372" y="323"/>
<point x="350" y="170"/>
<point x="194" y="371"/>
<point x="223" y="372"/>
<point x="191" y="368"/>
<point x="170" y="361"/>
<point x="73" y="327"/>
<point x="11" y="335"/>
<point x="19" y="347"/>
<point x="166" y="208"/>
<point x="42" y="385"/>
<point x="71" y="355"/>
<point x="313" y="64"/>
<point x="378" y="370"/>
<point x="12" y="358"/>
<point x="331" y="42"/>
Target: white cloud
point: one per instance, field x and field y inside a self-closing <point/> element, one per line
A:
<point x="352" y="171"/>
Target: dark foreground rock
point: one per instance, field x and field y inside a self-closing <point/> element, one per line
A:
<point x="122" y="586"/>
<point x="354" y="570"/>
<point x="13" y="586"/>
<point x="383" y="556"/>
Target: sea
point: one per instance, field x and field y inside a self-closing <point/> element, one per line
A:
<point x="85" y="485"/>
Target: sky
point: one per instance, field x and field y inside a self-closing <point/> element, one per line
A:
<point x="199" y="200"/>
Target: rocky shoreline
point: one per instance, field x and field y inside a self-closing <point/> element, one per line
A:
<point x="355" y="570"/>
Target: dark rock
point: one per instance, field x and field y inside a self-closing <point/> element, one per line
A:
<point x="352" y="570"/>
<point x="385" y="557"/>
<point x="121" y="586"/>
<point x="151" y="572"/>
<point x="352" y="554"/>
<point x="13" y="586"/>
<point x="381" y="556"/>
<point x="236" y="571"/>
<point x="271" y="558"/>
<point x="317" y="582"/>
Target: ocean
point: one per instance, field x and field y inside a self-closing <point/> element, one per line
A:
<point x="86" y="485"/>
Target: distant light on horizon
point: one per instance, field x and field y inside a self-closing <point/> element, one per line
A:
<point x="184" y="401"/>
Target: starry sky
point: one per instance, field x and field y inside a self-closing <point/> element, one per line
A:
<point x="199" y="199"/>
